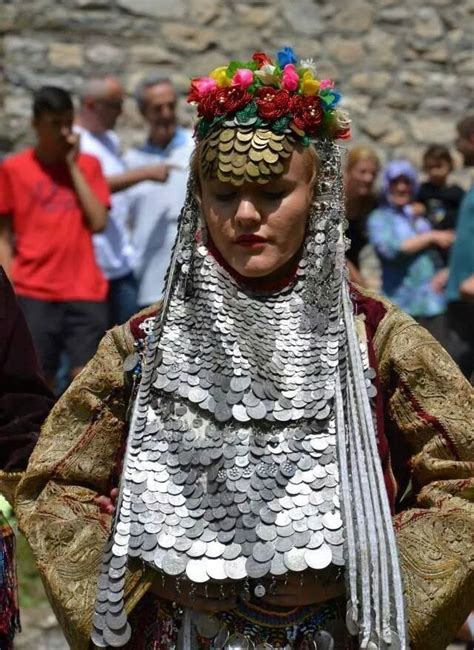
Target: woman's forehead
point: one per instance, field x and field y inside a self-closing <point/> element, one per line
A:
<point x="243" y="155"/>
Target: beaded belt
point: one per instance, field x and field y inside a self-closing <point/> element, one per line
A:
<point x="249" y="627"/>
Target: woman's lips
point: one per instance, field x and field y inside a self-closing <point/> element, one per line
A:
<point x="250" y="241"/>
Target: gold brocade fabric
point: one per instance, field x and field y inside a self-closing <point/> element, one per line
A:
<point x="430" y="405"/>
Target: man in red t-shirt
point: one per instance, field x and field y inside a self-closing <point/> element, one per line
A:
<point x="52" y="198"/>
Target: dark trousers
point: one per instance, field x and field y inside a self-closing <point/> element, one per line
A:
<point x="460" y="344"/>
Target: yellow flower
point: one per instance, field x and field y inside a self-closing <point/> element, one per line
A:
<point x="220" y="77"/>
<point x="309" y="85"/>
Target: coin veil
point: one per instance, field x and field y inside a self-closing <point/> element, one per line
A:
<point x="252" y="436"/>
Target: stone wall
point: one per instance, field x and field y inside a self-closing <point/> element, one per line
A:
<point x="405" y="66"/>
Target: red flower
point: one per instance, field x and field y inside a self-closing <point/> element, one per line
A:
<point x="343" y="134"/>
<point x="223" y="100"/>
<point x="261" y="58"/>
<point x="193" y="94"/>
<point x="307" y="113"/>
<point x="272" y="103"/>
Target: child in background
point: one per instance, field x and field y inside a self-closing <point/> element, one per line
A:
<point x="441" y="201"/>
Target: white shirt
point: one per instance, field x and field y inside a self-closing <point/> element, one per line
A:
<point x="155" y="209"/>
<point x="113" y="248"/>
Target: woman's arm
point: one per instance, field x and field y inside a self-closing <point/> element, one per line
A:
<point x="431" y="411"/>
<point x="76" y="458"/>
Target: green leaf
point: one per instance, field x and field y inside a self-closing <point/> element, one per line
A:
<point x="233" y="67"/>
<point x="280" y="124"/>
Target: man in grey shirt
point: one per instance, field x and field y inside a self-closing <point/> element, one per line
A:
<point x="155" y="207"/>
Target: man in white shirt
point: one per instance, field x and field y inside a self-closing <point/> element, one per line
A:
<point x="156" y="206"/>
<point x="101" y="105"/>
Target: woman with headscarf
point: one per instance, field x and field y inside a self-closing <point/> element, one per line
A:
<point x="260" y="421"/>
<point x="407" y="246"/>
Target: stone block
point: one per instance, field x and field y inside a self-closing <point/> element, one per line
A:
<point x="156" y="8"/>
<point x="427" y="24"/>
<point x="353" y="17"/>
<point x="254" y="17"/>
<point x="302" y="17"/>
<point x="371" y="82"/>
<point x="204" y="11"/>
<point x="426" y="129"/>
<point x="188" y="38"/>
<point x="345" y="51"/>
<point x="65" y="55"/>
<point x="104" y="54"/>
<point x="152" y="54"/>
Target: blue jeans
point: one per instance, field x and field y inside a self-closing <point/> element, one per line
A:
<point x="122" y="299"/>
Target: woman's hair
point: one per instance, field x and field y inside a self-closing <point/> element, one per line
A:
<point x="361" y="152"/>
<point x="311" y="162"/>
<point x="437" y="153"/>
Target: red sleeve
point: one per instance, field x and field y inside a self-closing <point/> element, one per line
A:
<point x="6" y="198"/>
<point x="93" y="172"/>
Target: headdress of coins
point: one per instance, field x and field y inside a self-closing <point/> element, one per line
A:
<point x="174" y="403"/>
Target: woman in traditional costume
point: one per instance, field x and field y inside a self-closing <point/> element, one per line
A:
<point x="293" y="455"/>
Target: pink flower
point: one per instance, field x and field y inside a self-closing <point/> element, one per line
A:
<point x="290" y="79"/>
<point x="205" y="85"/>
<point x="243" y="77"/>
<point x="326" y="83"/>
<point x="201" y="87"/>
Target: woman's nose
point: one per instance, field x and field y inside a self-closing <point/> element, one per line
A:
<point x="247" y="214"/>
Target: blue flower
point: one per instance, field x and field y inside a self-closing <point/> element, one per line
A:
<point x="285" y="56"/>
<point x="330" y="98"/>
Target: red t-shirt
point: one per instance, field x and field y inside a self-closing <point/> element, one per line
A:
<point x="54" y="255"/>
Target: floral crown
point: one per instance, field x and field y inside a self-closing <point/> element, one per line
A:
<point x="281" y="95"/>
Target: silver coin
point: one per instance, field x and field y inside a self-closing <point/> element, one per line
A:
<point x="116" y="621"/>
<point x="332" y="520"/>
<point x="295" y="559"/>
<point x="174" y="564"/>
<point x="257" y="569"/>
<point x="216" y="569"/>
<point x="97" y="638"/>
<point x="278" y="566"/>
<point x="240" y="413"/>
<point x="198" y="549"/>
<point x="235" y="569"/>
<point x="263" y="551"/>
<point x="318" y="558"/>
<point x="196" y="572"/>
<point x="117" y="638"/>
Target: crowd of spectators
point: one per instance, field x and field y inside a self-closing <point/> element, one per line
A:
<point x="86" y="230"/>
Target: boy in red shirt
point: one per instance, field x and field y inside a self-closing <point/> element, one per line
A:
<point x="52" y="198"/>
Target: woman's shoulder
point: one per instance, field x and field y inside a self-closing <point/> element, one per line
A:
<point x="141" y="325"/>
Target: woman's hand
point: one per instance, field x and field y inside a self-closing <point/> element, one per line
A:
<point x="443" y="238"/>
<point x="107" y="503"/>
<point x="440" y="280"/>
<point x="209" y="598"/>
<point x="299" y="589"/>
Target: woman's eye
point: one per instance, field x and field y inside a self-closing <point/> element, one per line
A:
<point x="225" y="196"/>
<point x="275" y="195"/>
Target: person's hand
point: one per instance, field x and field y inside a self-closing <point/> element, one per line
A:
<point x="211" y="598"/>
<point x="72" y="143"/>
<point x="418" y="209"/>
<point x="297" y="590"/>
<point x="107" y="503"/>
<point x="440" y="280"/>
<point x="466" y="288"/>
<point x="443" y="238"/>
<point x="158" y="173"/>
